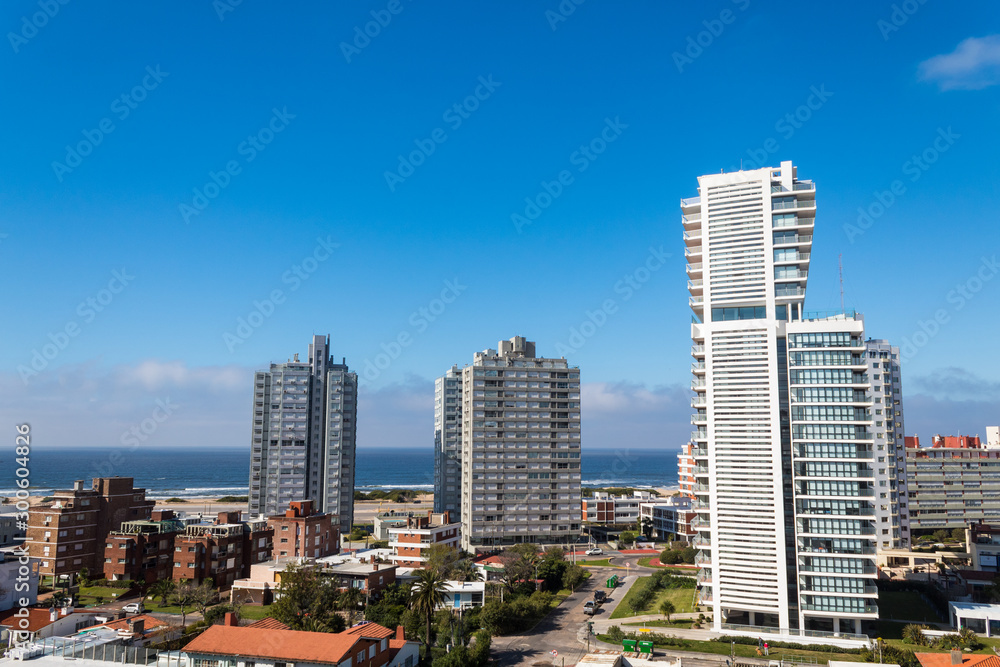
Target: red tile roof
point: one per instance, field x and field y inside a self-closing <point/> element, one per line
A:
<point x="370" y="630"/>
<point x="944" y="660"/>
<point x="38" y="618"/>
<point x="269" y="624"/>
<point x="278" y="645"/>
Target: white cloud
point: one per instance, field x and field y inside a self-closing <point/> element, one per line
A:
<point x="973" y="65"/>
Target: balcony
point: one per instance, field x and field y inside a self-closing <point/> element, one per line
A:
<point x="698" y="368"/>
<point x="700" y="523"/>
<point x="696" y="301"/>
<point x="691" y="220"/>
<point x="704" y="577"/>
<point x="791" y="258"/>
<point x="701" y="543"/>
<point x="697" y="350"/>
<point x="702" y="559"/>
<point x="690" y="202"/>
<point x="842" y="611"/>
<point x="694" y="268"/>
<point x="699" y="452"/>
<point x="698" y="384"/>
<point x="699" y="419"/>
<point x="692" y="237"/>
<point x="788" y="292"/>
<point x="692" y="251"/>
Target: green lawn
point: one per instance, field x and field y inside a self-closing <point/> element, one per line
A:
<point x="681" y="597"/>
<point x="168" y="608"/>
<point x="905" y="606"/>
<point x="684" y="623"/>
<point x="648" y="562"/>
<point x="748" y="651"/>
<point x="256" y="612"/>
<point x="89" y="594"/>
<point x="604" y="562"/>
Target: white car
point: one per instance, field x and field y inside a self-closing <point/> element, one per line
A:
<point x="134" y="608"/>
<point x="594" y="552"/>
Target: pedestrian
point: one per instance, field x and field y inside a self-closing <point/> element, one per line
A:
<point x="765" y="648"/>
<point x="760" y="642"/>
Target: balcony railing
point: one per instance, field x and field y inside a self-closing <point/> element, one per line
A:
<point x="764" y="630"/>
<point x="694" y="267"/>
<point x="847" y="611"/>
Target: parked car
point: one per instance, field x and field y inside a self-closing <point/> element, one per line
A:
<point x="590" y="608"/>
<point x="594" y="552"/>
<point x="600" y="596"/>
<point x="134" y="608"/>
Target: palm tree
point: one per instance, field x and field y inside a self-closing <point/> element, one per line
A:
<point x="162" y="589"/>
<point x="465" y="570"/>
<point x="348" y="601"/>
<point x="667" y="608"/>
<point x="426" y="595"/>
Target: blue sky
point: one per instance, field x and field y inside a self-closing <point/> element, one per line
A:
<point x="219" y="156"/>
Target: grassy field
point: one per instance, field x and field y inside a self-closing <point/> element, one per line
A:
<point x="681" y="597"/>
<point x="603" y="562"/>
<point x="683" y="623"/>
<point x="905" y="606"/>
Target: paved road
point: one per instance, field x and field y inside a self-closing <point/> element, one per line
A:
<point x="564" y="630"/>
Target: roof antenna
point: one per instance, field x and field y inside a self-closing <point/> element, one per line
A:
<point x="840" y="268"/>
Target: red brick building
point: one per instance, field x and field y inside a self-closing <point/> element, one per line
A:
<point x="222" y="551"/>
<point x="142" y="550"/>
<point x="303" y="532"/>
<point x="410" y="543"/>
<point x="69" y="532"/>
<point x="685" y="470"/>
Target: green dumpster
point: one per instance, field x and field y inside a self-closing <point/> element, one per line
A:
<point x="612" y="581"/>
<point x="629" y="645"/>
<point x="645" y="646"/>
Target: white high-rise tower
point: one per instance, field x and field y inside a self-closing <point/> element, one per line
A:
<point x="783" y="448"/>
<point x="303" y="442"/>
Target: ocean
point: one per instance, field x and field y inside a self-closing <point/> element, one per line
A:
<point x="189" y="472"/>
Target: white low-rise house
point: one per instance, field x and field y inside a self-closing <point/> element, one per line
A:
<point x="18" y="581"/>
<point x="464" y="594"/>
<point x="981" y="618"/>
<point x="670" y="517"/>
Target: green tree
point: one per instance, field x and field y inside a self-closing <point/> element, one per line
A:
<point x="426" y="595"/>
<point x="162" y="589"/>
<point x="666" y="608"/>
<point x="441" y="558"/>
<point x="958" y="534"/>
<point x="670" y="557"/>
<point x="184" y="597"/>
<point x="573" y="576"/>
<point x="466" y="570"/>
<point x="645" y="527"/>
<point x="518" y="565"/>
<point x="627" y="537"/>
<point x="205" y="595"/>
<point x="348" y="601"/>
<point x="304" y="594"/>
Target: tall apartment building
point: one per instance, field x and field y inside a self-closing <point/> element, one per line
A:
<point x="520" y="448"/>
<point x="952" y="483"/>
<point x="685" y="460"/>
<point x="784" y="451"/>
<point x="304" y="435"/>
<point x="448" y="443"/>
<point x="892" y="518"/>
<point x="69" y="532"/>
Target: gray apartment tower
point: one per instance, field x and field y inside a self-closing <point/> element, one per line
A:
<point x="893" y="524"/>
<point x="520" y="448"/>
<point x="448" y="443"/>
<point x="304" y="435"/>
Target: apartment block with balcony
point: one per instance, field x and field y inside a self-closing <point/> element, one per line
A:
<point x="142" y="551"/>
<point x="670" y="518"/>
<point x="448" y="443"/>
<point x="410" y="542"/>
<point x="685" y="458"/>
<point x="520" y="448"/>
<point x="68" y="533"/>
<point x="304" y="532"/>
<point x="783" y="479"/>
<point x="606" y="509"/>
<point x="892" y="518"/>
<point x="222" y="551"/>
<point x="304" y="435"/>
<point x="952" y="483"/>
